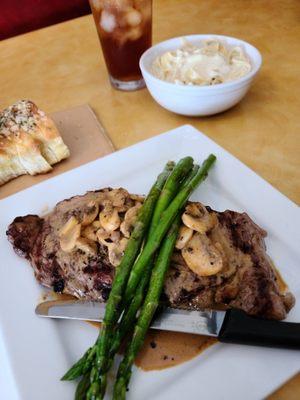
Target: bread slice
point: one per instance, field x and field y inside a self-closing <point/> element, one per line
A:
<point x="29" y="141"/>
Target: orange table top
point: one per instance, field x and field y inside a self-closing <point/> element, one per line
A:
<point x="62" y="66"/>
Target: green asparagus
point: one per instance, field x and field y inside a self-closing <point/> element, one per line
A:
<point x="82" y="387"/>
<point x="182" y="168"/>
<point x="179" y="173"/>
<point x="149" y="307"/>
<point x="190" y="176"/>
<point x="82" y="366"/>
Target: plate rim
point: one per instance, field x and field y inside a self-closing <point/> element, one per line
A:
<point x="195" y="133"/>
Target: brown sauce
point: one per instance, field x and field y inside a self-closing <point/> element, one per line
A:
<point x="163" y="349"/>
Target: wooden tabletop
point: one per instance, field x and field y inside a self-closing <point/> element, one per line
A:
<point x="62" y="66"/>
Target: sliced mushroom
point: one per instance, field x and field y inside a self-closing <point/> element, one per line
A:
<point x="137" y="197"/>
<point x="129" y="220"/>
<point x="87" y="246"/>
<point x="115" y="236"/>
<point x="90" y="231"/>
<point x="198" y="218"/>
<point x="90" y="213"/>
<point x="96" y="224"/>
<point x="116" y="251"/>
<point x="69" y="233"/>
<point x="109" y="217"/>
<point x="114" y="245"/>
<point x="106" y="238"/>
<point x="201" y="256"/>
<point x="102" y="235"/>
<point x="118" y="197"/>
<point x="184" y="236"/>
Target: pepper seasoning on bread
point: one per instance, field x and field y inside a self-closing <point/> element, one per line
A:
<point x="29" y="141"/>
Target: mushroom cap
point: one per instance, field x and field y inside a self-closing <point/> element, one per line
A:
<point x="106" y="238"/>
<point x="90" y="213"/>
<point x="129" y="220"/>
<point x="198" y="218"/>
<point x="109" y="217"/>
<point x="201" y="256"/>
<point x="184" y="235"/>
<point x="116" y="251"/>
<point x="121" y="199"/>
<point x="68" y="234"/>
<point x="90" y="231"/>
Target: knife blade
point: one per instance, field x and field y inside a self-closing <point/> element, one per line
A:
<point x="171" y="319"/>
<point x="232" y="326"/>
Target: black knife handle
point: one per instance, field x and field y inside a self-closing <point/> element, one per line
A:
<point x="238" y="327"/>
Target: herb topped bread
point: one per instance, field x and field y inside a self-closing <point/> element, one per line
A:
<point x="29" y="141"/>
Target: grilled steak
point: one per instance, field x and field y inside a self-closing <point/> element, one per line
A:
<point x="222" y="264"/>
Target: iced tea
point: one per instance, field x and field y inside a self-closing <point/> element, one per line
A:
<point x="124" y="29"/>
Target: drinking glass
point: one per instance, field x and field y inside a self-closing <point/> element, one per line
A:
<point x="125" y="29"/>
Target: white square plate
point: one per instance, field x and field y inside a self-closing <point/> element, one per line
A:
<point x="36" y="352"/>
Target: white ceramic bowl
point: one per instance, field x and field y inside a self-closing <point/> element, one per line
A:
<point x="198" y="100"/>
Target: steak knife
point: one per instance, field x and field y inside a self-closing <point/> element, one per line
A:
<point x="232" y="326"/>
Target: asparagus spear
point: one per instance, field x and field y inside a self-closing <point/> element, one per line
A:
<point x="182" y="168"/>
<point x="155" y="288"/>
<point x="150" y="305"/>
<point x="129" y="317"/>
<point x="167" y="217"/>
<point x="196" y="177"/>
<point x="82" y="366"/>
<point x="131" y="252"/>
<point x="112" y="310"/>
<point x="82" y="387"/>
<point x="190" y="176"/>
<point x="179" y="173"/>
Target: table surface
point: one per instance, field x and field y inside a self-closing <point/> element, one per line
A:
<point x="62" y="66"/>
